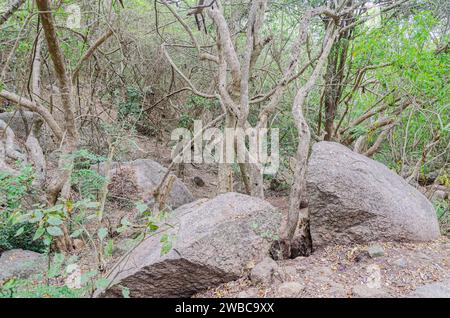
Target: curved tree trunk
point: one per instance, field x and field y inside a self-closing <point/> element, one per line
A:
<point x="70" y="139"/>
<point x="290" y="246"/>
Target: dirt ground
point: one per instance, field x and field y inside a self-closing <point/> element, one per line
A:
<point x="344" y="271"/>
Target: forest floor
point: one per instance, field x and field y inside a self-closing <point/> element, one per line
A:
<point x="345" y="271"/>
<point x="333" y="271"/>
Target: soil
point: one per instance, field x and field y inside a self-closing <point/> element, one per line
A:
<point x="338" y="271"/>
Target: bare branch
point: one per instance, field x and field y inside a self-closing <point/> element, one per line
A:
<point x="37" y="108"/>
<point x="89" y="53"/>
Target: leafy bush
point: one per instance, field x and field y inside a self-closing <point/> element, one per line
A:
<point x="21" y="288"/>
<point x="10" y="240"/>
<point x="87" y="181"/>
<point x="443" y="213"/>
<point x="131" y="107"/>
<point x="13" y="191"/>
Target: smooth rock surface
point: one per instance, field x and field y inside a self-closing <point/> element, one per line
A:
<point x="213" y="242"/>
<point x="354" y="199"/>
<point x="21" y="264"/>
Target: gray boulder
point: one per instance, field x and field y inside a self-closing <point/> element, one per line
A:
<point x="145" y="175"/>
<point x="19" y="122"/>
<point x="434" y="290"/>
<point x="263" y="272"/>
<point x="353" y="199"/>
<point x="21" y="264"/>
<point x="213" y="241"/>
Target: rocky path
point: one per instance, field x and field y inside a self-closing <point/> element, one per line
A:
<point x="394" y="270"/>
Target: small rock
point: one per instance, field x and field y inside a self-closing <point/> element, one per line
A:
<point x="73" y="279"/>
<point x="290" y="272"/>
<point x="263" y="272"/>
<point x="21" y="264"/>
<point x="337" y="290"/>
<point x="290" y="290"/>
<point x="375" y="250"/>
<point x="249" y="293"/>
<point x="78" y="244"/>
<point x="199" y="182"/>
<point x="400" y="262"/>
<point x="363" y="291"/>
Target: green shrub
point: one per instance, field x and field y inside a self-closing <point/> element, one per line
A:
<point x="21" y="288"/>
<point x="13" y="191"/>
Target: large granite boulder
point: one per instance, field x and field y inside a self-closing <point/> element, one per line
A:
<point x="21" y="264"/>
<point x="214" y="241"/>
<point x="353" y="199"/>
<point x="140" y="177"/>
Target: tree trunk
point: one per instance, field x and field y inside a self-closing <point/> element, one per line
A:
<point x="225" y="175"/>
<point x="333" y="84"/>
<point x="70" y="140"/>
<point x="289" y="246"/>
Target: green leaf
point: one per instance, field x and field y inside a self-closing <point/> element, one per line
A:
<point x="85" y="277"/>
<point x="54" y="231"/>
<point x="39" y="232"/>
<point x="141" y="207"/>
<point x="152" y="226"/>
<point x="56" y="265"/>
<point x="125" y="292"/>
<point x="19" y="231"/>
<point x="47" y="240"/>
<point x="166" y="244"/>
<point x="54" y="221"/>
<point x="102" y="233"/>
<point x="108" y="250"/>
<point x="76" y="233"/>
<point x="125" y="222"/>
<point x="36" y="216"/>
<point x="101" y="283"/>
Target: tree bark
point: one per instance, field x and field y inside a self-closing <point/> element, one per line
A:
<point x="288" y="246"/>
<point x="334" y="77"/>
<point x="70" y="140"/>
